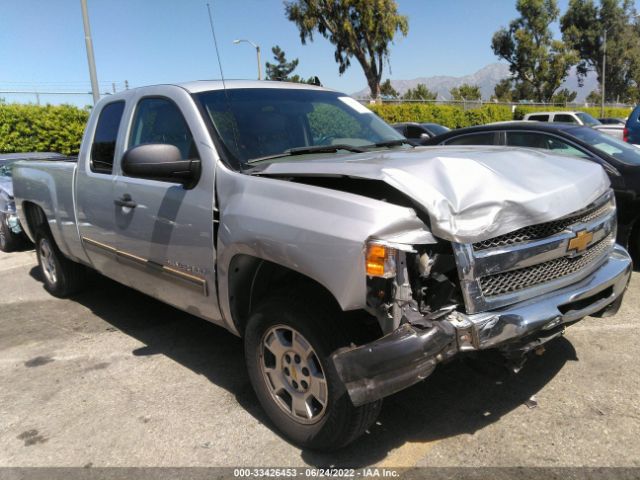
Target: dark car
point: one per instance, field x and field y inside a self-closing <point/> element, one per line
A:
<point x="620" y="160"/>
<point x="612" y="121"/>
<point x="11" y="234"/>
<point x="419" y="133"/>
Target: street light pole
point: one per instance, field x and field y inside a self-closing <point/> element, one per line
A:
<point x="257" y="47"/>
<point x="604" y="70"/>
<point x="259" y="63"/>
<point x="95" y="91"/>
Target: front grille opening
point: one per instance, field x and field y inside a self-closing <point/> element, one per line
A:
<point x="516" y="280"/>
<point x="543" y="230"/>
<point x="585" y="302"/>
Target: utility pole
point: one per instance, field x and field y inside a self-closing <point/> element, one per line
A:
<point x="95" y="90"/>
<point x="604" y="69"/>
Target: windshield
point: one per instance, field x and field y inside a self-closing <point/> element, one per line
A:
<point x="255" y="123"/>
<point x="608" y="145"/>
<point x="5" y="168"/>
<point x="587" y="119"/>
<point x="435" y="128"/>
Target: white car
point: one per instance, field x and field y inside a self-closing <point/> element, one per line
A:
<point x="579" y="118"/>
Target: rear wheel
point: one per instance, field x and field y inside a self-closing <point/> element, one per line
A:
<point x="61" y="276"/>
<point x="288" y="343"/>
<point x="9" y="241"/>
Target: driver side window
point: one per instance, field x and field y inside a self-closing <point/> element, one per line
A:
<point x="158" y="120"/>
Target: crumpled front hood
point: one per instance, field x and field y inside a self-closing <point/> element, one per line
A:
<point x="471" y="193"/>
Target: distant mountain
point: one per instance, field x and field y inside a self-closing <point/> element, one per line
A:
<point x="486" y="78"/>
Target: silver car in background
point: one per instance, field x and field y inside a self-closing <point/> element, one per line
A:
<point x="11" y="234"/>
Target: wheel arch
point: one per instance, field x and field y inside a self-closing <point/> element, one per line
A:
<point x="35" y="218"/>
<point x="251" y="278"/>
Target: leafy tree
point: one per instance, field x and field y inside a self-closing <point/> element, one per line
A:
<point x="503" y="91"/>
<point x="421" y="92"/>
<point x="564" y="96"/>
<point x="387" y="90"/>
<point x="466" y="92"/>
<point x="535" y="59"/>
<point x="282" y="68"/>
<point x="509" y="90"/>
<point x="357" y="28"/>
<point x="311" y="80"/>
<point x="594" y="98"/>
<point x="583" y="28"/>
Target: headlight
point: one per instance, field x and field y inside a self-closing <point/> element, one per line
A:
<point x="381" y="260"/>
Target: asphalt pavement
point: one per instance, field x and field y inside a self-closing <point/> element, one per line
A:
<point x="112" y="377"/>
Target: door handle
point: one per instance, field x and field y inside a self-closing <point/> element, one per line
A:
<point x="125" y="201"/>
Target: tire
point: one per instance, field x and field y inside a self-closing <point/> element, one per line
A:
<point x="61" y="276"/>
<point x="9" y="241"/>
<point x="277" y="322"/>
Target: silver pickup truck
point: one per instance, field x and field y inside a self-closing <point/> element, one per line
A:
<point x="350" y="262"/>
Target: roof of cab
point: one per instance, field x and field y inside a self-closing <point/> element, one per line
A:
<point x="205" y="85"/>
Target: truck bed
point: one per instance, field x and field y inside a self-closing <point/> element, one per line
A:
<point x="49" y="182"/>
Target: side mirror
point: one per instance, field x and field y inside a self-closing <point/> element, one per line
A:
<point x="159" y="161"/>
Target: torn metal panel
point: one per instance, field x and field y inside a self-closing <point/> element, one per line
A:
<point x="471" y="193"/>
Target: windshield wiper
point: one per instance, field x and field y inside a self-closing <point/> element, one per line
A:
<point x="304" y="150"/>
<point x="390" y="143"/>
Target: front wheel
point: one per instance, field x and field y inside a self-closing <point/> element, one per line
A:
<point x="288" y="342"/>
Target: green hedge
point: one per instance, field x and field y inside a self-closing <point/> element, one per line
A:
<point x="448" y="115"/>
<point x="615" y="112"/>
<point x="34" y="128"/>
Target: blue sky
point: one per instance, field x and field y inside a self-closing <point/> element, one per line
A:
<point x="156" y="41"/>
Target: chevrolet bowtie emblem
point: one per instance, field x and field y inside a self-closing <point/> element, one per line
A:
<point x="580" y="242"/>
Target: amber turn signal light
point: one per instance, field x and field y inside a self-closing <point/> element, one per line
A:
<point x="381" y="261"/>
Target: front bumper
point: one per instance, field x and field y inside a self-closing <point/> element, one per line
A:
<point x="411" y="353"/>
<point x="8" y="208"/>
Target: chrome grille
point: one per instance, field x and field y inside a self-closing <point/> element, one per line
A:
<point x="543" y="230"/>
<point x="534" y="260"/>
<point x="515" y="280"/>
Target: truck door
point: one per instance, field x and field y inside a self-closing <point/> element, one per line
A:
<point x="164" y="230"/>
<point x="94" y="188"/>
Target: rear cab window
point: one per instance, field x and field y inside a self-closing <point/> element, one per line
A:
<point x="104" y="140"/>
<point x="539" y="118"/>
